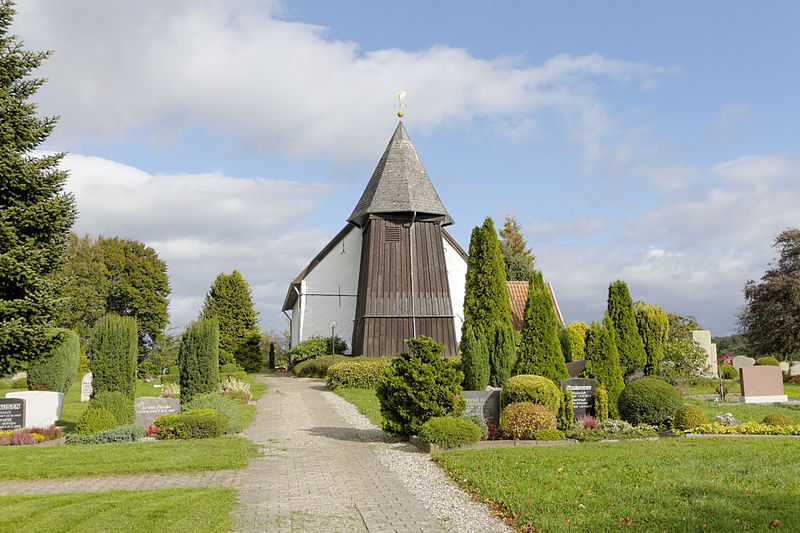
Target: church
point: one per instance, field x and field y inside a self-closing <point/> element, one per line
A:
<point x="392" y="273"/>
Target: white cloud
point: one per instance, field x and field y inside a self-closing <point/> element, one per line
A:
<point x="234" y="68"/>
<point x="201" y="225"/>
<point x="757" y="169"/>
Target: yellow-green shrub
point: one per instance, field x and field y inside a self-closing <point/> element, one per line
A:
<point x="689" y="416"/>
<point x="530" y="388"/>
<point x="449" y="432"/>
<point x="520" y="420"/>
<point x="777" y="419"/>
<point x="361" y="374"/>
<point x="94" y="420"/>
<point x="748" y="428"/>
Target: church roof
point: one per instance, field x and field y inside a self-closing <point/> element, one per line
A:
<point x="518" y="295"/>
<point x="399" y="184"/>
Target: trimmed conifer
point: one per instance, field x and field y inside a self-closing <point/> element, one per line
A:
<point x="540" y="350"/>
<point x="504" y="354"/>
<point x="114" y="354"/>
<point x="474" y="359"/>
<point x="653" y="324"/>
<point x="230" y="302"/>
<point x="272" y="356"/>
<point x="629" y="343"/>
<point x="57" y="372"/>
<point x="577" y="337"/>
<point x="198" y="358"/>
<point x="602" y="361"/>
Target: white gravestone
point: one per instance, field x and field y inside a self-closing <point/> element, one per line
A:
<point x="740" y="361"/>
<point x="784" y="366"/>
<point x="703" y="338"/>
<point x="42" y="408"/>
<point x="86" y="387"/>
<point x="794" y="370"/>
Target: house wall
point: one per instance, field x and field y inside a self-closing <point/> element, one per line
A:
<point x="329" y="293"/>
<point x="456" y="277"/>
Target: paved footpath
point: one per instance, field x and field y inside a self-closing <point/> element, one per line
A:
<point x="316" y="473"/>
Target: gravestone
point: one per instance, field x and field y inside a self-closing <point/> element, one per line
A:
<point x="741" y="361"/>
<point x="762" y="384"/>
<point x="583" y="391"/>
<point x="784" y="366"/>
<point x="794" y="369"/>
<point x="42" y="408"/>
<point x="12" y="414"/>
<point x="483" y="403"/>
<point x="703" y="338"/>
<point x="86" y="387"/>
<point x="148" y="408"/>
<point x="574" y="368"/>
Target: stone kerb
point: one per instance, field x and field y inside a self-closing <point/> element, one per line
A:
<point x="148" y="408"/>
<point x="762" y="384"/>
<point x="42" y="408"/>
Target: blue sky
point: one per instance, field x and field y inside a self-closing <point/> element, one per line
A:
<point x="650" y="143"/>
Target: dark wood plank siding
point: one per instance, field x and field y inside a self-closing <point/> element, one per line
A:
<point x="385" y="303"/>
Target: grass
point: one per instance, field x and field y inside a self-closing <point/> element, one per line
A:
<point x="366" y="402"/>
<point x="718" y="484"/>
<point x="119" y="510"/>
<point x="36" y="462"/>
<point x="256" y="387"/>
<point x="792" y="390"/>
<point x="746" y="412"/>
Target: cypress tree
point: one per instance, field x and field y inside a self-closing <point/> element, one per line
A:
<point x="474" y="359"/>
<point x="540" y="349"/>
<point x="272" y="356"/>
<point x="35" y="212"/>
<point x="230" y="302"/>
<point x="198" y="358"/>
<point x="629" y="343"/>
<point x="653" y="324"/>
<point x="249" y="353"/>
<point x="566" y="344"/>
<point x="576" y="332"/>
<point x="113" y="355"/>
<point x="602" y="361"/>
<point x="504" y="354"/>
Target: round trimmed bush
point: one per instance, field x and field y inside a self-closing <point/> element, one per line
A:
<point x="530" y="388"/>
<point x="94" y="420"/>
<point x="520" y="420"/>
<point x="117" y="403"/>
<point x="777" y="419"/>
<point x="548" y="434"/>
<point x="226" y="405"/>
<point x="357" y="373"/>
<point x="689" y="416"/>
<point x="767" y="361"/>
<point x="449" y="432"/>
<point x="729" y="372"/>
<point x="649" y="401"/>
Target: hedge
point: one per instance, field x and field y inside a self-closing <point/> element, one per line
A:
<point x="198" y="358"/>
<point x="359" y="374"/>
<point x="57" y="371"/>
<point x="114" y="353"/>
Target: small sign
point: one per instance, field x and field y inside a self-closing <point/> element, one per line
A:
<point x="148" y="408"/>
<point x="583" y="391"/>
<point x="485" y="404"/>
<point x="12" y="414"/>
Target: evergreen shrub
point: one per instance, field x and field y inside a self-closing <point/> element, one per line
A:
<point x="689" y="416"/>
<point x="777" y="419"/>
<point x="271" y="361"/>
<point x="232" y="370"/>
<point x="602" y="361"/>
<point x="566" y="414"/>
<point x="418" y="387"/>
<point x="729" y="372"/>
<point x="199" y="424"/>
<point x="649" y="401"/>
<point x="173" y="375"/>
<point x="118" y="404"/>
<point x="631" y="349"/>
<point x="94" y="420"/>
<point x="126" y="433"/>
<point x="520" y="420"/>
<point x="20" y="383"/>
<point x="474" y="358"/>
<point x="530" y="388"/>
<point x="198" y="358"/>
<point x="57" y="371"/>
<point x="449" y="432"/>
<point x="248" y="354"/>
<point x="226" y="405"/>
<point x="227" y="358"/>
<point x="503" y="355"/>
<point x="357" y="374"/>
<point x="114" y="352"/>
<point x="601" y="403"/>
<point x="761" y="361"/>
<point x="548" y="434"/>
<point x="309" y="348"/>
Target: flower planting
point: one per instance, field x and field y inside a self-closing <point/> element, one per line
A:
<point x="24" y="437"/>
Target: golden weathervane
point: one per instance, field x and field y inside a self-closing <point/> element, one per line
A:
<point x="400" y="95"/>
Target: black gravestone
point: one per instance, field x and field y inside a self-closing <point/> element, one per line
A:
<point x="485" y="404"/>
<point x="583" y="391"/>
<point x="12" y="414"/>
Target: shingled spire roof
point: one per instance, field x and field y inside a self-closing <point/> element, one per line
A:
<point x="399" y="184"/>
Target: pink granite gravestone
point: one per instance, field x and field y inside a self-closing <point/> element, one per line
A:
<point x="762" y="384"/>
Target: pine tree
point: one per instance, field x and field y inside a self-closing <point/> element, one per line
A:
<point x="540" y="349"/>
<point x="35" y="212"/>
<point x="602" y="361"/>
<point x="230" y="302"/>
<point x="653" y="324"/>
<point x="198" y="358"/>
<point x="474" y="359"/>
<point x="629" y="343"/>
<point x="504" y="354"/>
<point x="113" y="355"/>
<point x="518" y="258"/>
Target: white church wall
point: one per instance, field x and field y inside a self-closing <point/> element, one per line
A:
<point x="456" y="277"/>
<point x="329" y="292"/>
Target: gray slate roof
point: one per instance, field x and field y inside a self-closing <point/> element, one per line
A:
<point x="399" y="184"/>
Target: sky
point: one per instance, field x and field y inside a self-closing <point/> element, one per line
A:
<point x="653" y="143"/>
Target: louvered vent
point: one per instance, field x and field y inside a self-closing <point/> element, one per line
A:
<point x="392" y="234"/>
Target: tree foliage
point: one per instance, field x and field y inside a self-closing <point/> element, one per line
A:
<point x="474" y="359"/>
<point x="57" y="371"/>
<point x="503" y="355"/>
<point x="576" y="333"/>
<point x="517" y="257"/>
<point x="35" y="212"/>
<point x="770" y="318"/>
<point x="683" y="358"/>
<point x="540" y="349"/>
<point x="230" y="302"/>
<point x="113" y="355"/>
<point x="653" y="325"/>
<point x="249" y="354"/>
<point x="199" y="358"/>
<point x="629" y="343"/>
<point x="602" y="361"/>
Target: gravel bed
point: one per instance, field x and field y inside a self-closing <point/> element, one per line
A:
<point x="443" y="498"/>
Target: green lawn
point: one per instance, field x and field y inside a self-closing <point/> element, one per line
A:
<point x="37" y="462"/>
<point x="366" y="401"/>
<point x="715" y="484"/>
<point x="746" y="412"/>
<point x="119" y="510"/>
<point x="792" y="390"/>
